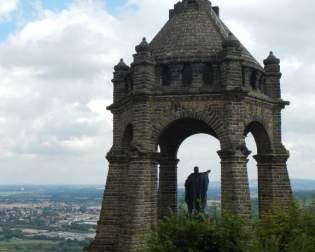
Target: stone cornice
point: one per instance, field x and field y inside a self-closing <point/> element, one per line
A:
<point x="239" y="94"/>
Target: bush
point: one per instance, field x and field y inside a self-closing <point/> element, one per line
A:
<point x="289" y="231"/>
<point x="280" y="231"/>
<point x="183" y="233"/>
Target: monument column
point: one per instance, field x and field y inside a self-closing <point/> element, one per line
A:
<point x="108" y="226"/>
<point x="140" y="202"/>
<point x="274" y="190"/>
<point x="235" y="196"/>
<point x="167" y="186"/>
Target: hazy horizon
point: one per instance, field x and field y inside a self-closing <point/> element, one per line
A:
<point x="179" y="183"/>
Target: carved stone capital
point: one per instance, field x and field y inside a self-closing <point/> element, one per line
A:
<point x="167" y="161"/>
<point x="232" y="155"/>
<point x="116" y="156"/>
<point x="272" y="158"/>
<point x="136" y="153"/>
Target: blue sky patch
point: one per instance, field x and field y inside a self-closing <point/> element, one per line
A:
<point x="113" y="5"/>
<point x="6" y="29"/>
<point x="27" y="12"/>
<point x="55" y="5"/>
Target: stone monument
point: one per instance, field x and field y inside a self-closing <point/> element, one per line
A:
<point x="194" y="77"/>
<point x="196" y="191"/>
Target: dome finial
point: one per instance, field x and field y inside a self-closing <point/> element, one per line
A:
<point x="121" y="66"/>
<point x="272" y="59"/>
<point x="143" y="46"/>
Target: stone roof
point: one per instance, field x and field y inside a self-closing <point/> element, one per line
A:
<point x="194" y="32"/>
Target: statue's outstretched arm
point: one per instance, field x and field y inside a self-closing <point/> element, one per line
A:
<point x="207" y="172"/>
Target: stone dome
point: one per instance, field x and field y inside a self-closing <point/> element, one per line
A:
<point x="194" y="32"/>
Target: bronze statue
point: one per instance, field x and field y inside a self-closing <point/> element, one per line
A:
<point x="196" y="188"/>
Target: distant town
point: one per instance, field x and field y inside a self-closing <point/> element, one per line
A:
<point x="54" y="218"/>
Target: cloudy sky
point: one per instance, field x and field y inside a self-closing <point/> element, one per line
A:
<point x="56" y="61"/>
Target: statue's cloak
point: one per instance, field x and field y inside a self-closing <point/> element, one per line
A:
<point x="196" y="188"/>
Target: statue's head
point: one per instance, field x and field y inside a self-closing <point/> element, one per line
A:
<point x="196" y="169"/>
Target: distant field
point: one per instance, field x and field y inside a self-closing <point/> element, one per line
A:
<point x="28" y="246"/>
<point x="40" y="246"/>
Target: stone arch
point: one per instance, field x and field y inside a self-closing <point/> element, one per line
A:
<point x="209" y="118"/>
<point x="261" y="136"/>
<point x="169" y="134"/>
<point x="127" y="137"/>
<point x="264" y="149"/>
<point x="179" y="130"/>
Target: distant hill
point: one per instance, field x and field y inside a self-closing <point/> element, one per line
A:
<point x="302" y="184"/>
<point x="297" y="185"/>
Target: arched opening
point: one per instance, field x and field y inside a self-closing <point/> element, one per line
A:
<point x="258" y="142"/>
<point x="261" y="83"/>
<point x="165" y="76"/>
<point x="252" y="173"/>
<point x="127" y="137"/>
<point x="128" y="83"/>
<point x="207" y="75"/>
<point x="253" y="79"/>
<point x="170" y="140"/>
<point x="200" y="150"/>
<point x="187" y="75"/>
<point x="260" y="135"/>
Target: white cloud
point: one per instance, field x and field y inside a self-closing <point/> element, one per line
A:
<point x="6" y="8"/>
<point x="55" y="83"/>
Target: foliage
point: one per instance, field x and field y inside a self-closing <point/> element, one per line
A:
<point x="289" y="231"/>
<point x="183" y="233"/>
<point x="280" y="231"/>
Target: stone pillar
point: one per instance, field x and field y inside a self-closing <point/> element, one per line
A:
<point x="272" y="76"/>
<point x="235" y="196"/>
<point x="231" y="66"/>
<point x="119" y="80"/>
<point x="140" y="203"/>
<point x="176" y="74"/>
<point x="167" y="187"/>
<point x="198" y="74"/>
<point x="274" y="189"/>
<point x="108" y="226"/>
<point x="143" y="68"/>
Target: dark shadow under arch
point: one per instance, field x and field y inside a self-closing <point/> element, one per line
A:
<point x="127" y="137"/>
<point x="263" y="146"/>
<point x="177" y="131"/>
<point x="261" y="136"/>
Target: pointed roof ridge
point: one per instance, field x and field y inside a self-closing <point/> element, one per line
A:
<point x="271" y="59"/>
<point x="194" y="33"/>
<point x="143" y="46"/>
<point x="121" y="66"/>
